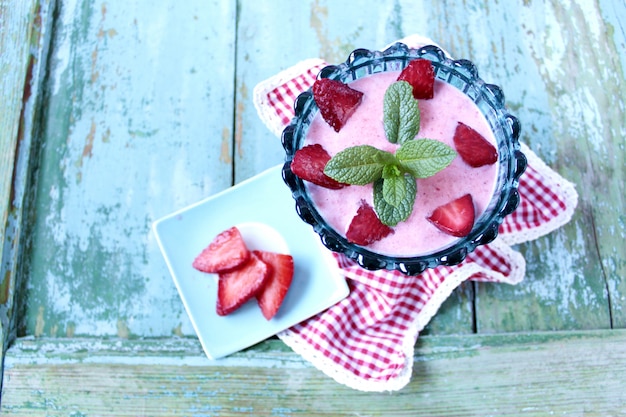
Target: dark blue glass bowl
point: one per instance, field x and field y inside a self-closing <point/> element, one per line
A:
<point x="489" y="99"/>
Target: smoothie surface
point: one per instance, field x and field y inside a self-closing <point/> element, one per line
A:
<point x="439" y="117"/>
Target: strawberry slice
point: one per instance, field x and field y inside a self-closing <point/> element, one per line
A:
<point x="227" y="251"/>
<point x="308" y="163"/>
<point x="421" y="75"/>
<point x="336" y="101"/>
<point x="474" y="149"/>
<point x="271" y="296"/>
<point x="455" y="218"/>
<point x="365" y="227"/>
<point x="236" y="287"/>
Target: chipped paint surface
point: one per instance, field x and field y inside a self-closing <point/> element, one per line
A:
<point x="138" y="123"/>
<point x="110" y="112"/>
<point x="128" y="139"/>
<point x="163" y="379"/>
<point x="225" y="151"/>
<point x="240" y="107"/>
<point x="332" y="49"/>
<point x="148" y="108"/>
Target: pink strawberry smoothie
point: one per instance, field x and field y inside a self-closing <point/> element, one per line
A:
<point x="439" y="117"/>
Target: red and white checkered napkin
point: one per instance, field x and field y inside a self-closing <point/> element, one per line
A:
<point x="367" y="340"/>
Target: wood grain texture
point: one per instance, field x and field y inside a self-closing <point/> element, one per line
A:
<point x="575" y="276"/>
<point x="16" y="25"/>
<point x="138" y="124"/>
<point x="274" y="35"/>
<point x="147" y="108"/>
<point x="24" y="35"/>
<point x="535" y="374"/>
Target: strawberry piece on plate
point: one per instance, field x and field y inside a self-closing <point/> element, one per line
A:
<point x="308" y="163"/>
<point x="336" y="101"/>
<point x="365" y="227"/>
<point x="455" y="218"/>
<point x="421" y="75"/>
<point x="474" y="149"/>
<point x="227" y="251"/>
<point x="236" y="287"/>
<point x="271" y="296"/>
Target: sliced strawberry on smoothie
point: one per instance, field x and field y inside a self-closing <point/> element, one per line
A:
<point x="365" y="227"/>
<point x="455" y="218"/>
<point x="240" y="285"/>
<point x="474" y="149"/>
<point x="308" y="163"/>
<point x="272" y="295"/>
<point x="336" y="101"/>
<point x="421" y="75"/>
<point x="227" y="251"/>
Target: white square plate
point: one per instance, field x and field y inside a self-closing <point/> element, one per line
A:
<point x="317" y="283"/>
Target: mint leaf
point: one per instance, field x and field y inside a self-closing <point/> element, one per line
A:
<point x="358" y="165"/>
<point x="394" y="186"/>
<point x="423" y="158"/>
<point x="401" y="113"/>
<point x="390" y="214"/>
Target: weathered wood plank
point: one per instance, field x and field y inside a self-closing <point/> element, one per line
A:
<point x="456" y="314"/>
<point x="16" y="27"/>
<point x="538" y="374"/>
<point x="24" y="35"/>
<point x="606" y="145"/>
<point x="137" y="91"/>
<point x="274" y="35"/>
<point x="138" y="123"/>
<point x="148" y="108"/>
<point x="576" y="61"/>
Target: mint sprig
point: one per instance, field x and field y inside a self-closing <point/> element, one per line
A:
<point x="393" y="174"/>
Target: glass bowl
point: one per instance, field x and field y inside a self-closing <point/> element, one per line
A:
<point x="490" y="100"/>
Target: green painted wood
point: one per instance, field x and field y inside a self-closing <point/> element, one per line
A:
<point x="575" y="276"/>
<point x="608" y="155"/>
<point x="536" y="374"/>
<point x="16" y="26"/>
<point x="138" y="124"/>
<point x="148" y="108"/>
<point x="24" y="34"/>
<point x="455" y="316"/>
<point x="122" y="113"/>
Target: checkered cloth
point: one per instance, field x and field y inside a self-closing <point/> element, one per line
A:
<point x="367" y="340"/>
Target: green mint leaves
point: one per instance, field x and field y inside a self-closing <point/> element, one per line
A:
<point x="423" y="158"/>
<point x="393" y="175"/>
<point x="394" y="198"/>
<point x="401" y="113"/>
<point x="358" y="165"/>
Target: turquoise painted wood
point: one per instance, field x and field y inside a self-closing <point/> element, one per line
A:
<point x="117" y="113"/>
<point x="24" y="34"/>
<point x="573" y="108"/>
<point x="138" y="124"/>
<point x="536" y="375"/>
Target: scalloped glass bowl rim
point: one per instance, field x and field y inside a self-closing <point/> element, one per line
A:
<point x="362" y="62"/>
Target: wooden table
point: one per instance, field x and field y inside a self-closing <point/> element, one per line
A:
<point x="113" y="114"/>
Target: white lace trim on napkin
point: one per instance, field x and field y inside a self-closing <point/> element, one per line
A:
<point x="554" y="181"/>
